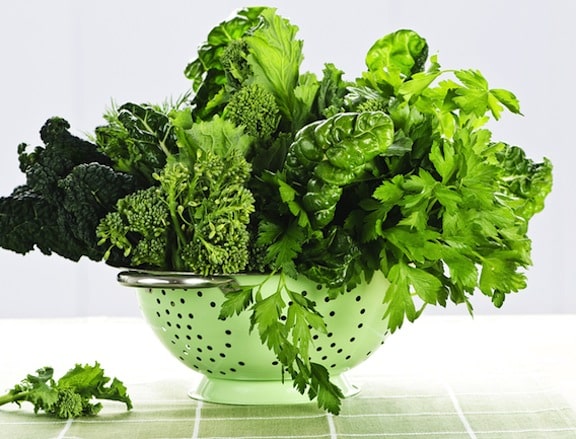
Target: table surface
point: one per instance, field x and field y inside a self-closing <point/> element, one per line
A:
<point x="442" y="377"/>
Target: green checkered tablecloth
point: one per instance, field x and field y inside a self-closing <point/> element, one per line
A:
<point x="508" y="379"/>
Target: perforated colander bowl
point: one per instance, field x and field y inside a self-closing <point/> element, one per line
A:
<point x="183" y="311"/>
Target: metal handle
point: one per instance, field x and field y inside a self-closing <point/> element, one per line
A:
<point x="161" y="279"/>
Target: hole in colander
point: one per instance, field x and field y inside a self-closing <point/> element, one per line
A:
<point x="348" y="357"/>
<point x="199" y="337"/>
<point x="199" y="350"/>
<point x="362" y="311"/>
<point x="222" y="372"/>
<point x="190" y="316"/>
<point x="228" y="345"/>
<point x="158" y="301"/>
<point x="241" y="363"/>
<point x="182" y="301"/>
<point x="169" y="324"/>
<point x="232" y="369"/>
<point x="222" y="355"/>
<point x="326" y="299"/>
<point x="325" y="357"/>
<point x="200" y="293"/>
<point x="332" y="313"/>
<point x="158" y="313"/>
<point x="304" y="293"/>
<point x="163" y="292"/>
<point x="353" y="339"/>
<point x="209" y="371"/>
<point x="172" y="303"/>
<point x="199" y="359"/>
<point x="209" y="347"/>
<point x="228" y="332"/>
<point x="319" y="349"/>
<point x="360" y="325"/>
<point x="339" y="351"/>
<point x="167" y="311"/>
<point x="179" y="315"/>
<point x="213" y="304"/>
<point x="178" y="326"/>
<point x="275" y="363"/>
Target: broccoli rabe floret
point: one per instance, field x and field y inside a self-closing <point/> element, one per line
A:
<point x="210" y="208"/>
<point x="69" y="186"/>
<point x="72" y="395"/>
<point x="256" y="110"/>
<point x="234" y="62"/>
<point x="139" y="228"/>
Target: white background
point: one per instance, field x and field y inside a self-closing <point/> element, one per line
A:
<point x="71" y="59"/>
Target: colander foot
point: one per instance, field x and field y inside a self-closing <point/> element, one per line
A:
<point x="240" y="392"/>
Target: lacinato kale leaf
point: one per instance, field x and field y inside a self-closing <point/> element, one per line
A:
<point x="70" y="186"/>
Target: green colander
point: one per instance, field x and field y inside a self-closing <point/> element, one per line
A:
<point x="183" y="311"/>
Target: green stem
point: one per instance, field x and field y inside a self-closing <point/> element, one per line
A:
<point x="12" y="397"/>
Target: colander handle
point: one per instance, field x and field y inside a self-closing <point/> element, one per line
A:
<point x="158" y="279"/>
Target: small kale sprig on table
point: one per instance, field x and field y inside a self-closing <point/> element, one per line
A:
<point x="72" y="395"/>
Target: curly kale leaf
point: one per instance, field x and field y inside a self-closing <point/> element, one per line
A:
<point x="69" y="187"/>
<point x="526" y="182"/>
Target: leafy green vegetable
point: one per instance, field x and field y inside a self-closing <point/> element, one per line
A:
<point x="263" y="167"/>
<point x="197" y="218"/>
<point x="70" y="186"/>
<point x="138" y="139"/>
<point x="254" y="108"/>
<point x="72" y="395"/>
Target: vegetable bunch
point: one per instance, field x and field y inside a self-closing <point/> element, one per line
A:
<point x="72" y="395"/>
<point x="263" y="167"/>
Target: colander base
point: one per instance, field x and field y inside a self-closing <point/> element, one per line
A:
<point x="240" y="392"/>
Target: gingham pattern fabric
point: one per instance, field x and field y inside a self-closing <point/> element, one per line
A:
<point x="418" y="395"/>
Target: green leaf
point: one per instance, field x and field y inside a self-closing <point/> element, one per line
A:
<point x="472" y="79"/>
<point x="283" y="244"/>
<point x="236" y="301"/>
<point x="218" y="135"/>
<point x="399" y="299"/>
<point x="443" y="156"/>
<point x="417" y="84"/>
<point x="329" y="395"/>
<point x="507" y="98"/>
<point x="275" y="57"/>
